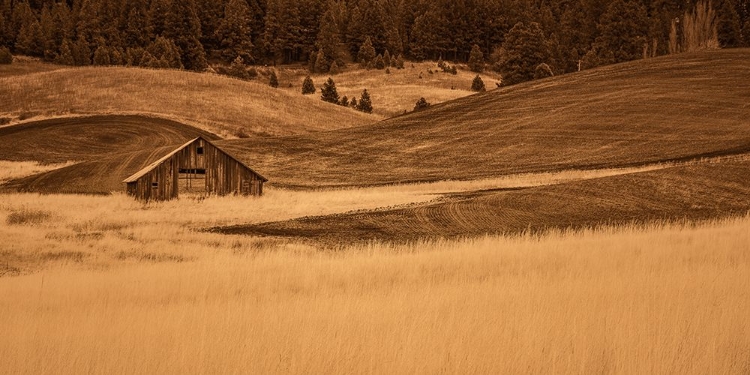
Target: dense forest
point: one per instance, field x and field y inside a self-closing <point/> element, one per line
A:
<point x="555" y="36"/>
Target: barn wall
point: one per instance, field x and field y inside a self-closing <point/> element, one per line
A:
<point x="224" y="175"/>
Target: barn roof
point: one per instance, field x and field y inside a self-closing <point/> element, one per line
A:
<point x="150" y="167"/>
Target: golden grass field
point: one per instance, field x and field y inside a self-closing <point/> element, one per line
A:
<point x="119" y="287"/>
<point x="596" y="222"/>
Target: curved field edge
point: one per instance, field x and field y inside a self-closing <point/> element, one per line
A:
<point x="219" y="104"/>
<point x="696" y="192"/>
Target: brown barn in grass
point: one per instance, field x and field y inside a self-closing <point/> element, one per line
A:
<point x="197" y="167"/>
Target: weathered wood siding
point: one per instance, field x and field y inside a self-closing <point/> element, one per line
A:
<point x="223" y="174"/>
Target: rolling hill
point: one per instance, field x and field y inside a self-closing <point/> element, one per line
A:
<point x="670" y="108"/>
<point x="696" y="192"/>
<point x="215" y="103"/>
<point x="666" y="108"/>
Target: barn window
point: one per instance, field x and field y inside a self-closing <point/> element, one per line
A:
<point x="154" y="184"/>
<point x="199" y="151"/>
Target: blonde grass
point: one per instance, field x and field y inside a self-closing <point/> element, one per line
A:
<point x="667" y="299"/>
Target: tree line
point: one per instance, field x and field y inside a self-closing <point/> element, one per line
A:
<point x="550" y="36"/>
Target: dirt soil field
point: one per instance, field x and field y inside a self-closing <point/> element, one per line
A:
<point x="696" y="192"/>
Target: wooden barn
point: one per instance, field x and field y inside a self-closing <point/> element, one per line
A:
<point x="197" y="167"/>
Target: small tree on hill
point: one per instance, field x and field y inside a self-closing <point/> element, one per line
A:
<point x="308" y="87"/>
<point x="354" y="103"/>
<point x="365" y="104"/>
<point x="273" y="81"/>
<point x="422" y="103"/>
<point x="328" y="92"/>
<point x="101" y="55"/>
<point x="476" y="59"/>
<point x="477" y="84"/>
<point x="238" y="69"/>
<point x="366" y="52"/>
<point x="321" y="64"/>
<point x="344" y="102"/>
<point x="400" y="62"/>
<point x="387" y="58"/>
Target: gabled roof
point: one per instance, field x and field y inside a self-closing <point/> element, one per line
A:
<point x="152" y="166"/>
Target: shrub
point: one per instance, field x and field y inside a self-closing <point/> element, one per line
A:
<point x="477" y="84"/>
<point x="5" y="56"/>
<point x="308" y="87"/>
<point x="328" y="92"/>
<point x="387" y="70"/>
<point x="422" y="103"/>
<point x="273" y="81"/>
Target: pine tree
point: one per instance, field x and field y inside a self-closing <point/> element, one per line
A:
<point x="379" y="62"/>
<point x="354" y="103"/>
<point x="183" y="27"/>
<point x="400" y="62"/>
<point x="30" y="39"/>
<point x="623" y="31"/>
<point x="165" y="49"/>
<point x="387" y="58"/>
<point x="728" y="25"/>
<point x="65" y="57"/>
<point x="238" y="69"/>
<point x="101" y="55"/>
<point x="328" y="92"/>
<point x="366" y="52"/>
<point x="746" y="33"/>
<point x="365" y="104"/>
<point x="334" y="69"/>
<point x="477" y="84"/>
<point x="5" y="56"/>
<point x="328" y="37"/>
<point x="344" y="102"/>
<point x="282" y="32"/>
<point x="235" y="31"/>
<point x="321" y="64"/>
<point x="476" y="59"/>
<point x="523" y="49"/>
<point x="82" y="52"/>
<point x="134" y="25"/>
<point x="421" y="104"/>
<point x="273" y="81"/>
<point x="308" y="87"/>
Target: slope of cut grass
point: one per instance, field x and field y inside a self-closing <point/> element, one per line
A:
<point x="664" y="299"/>
<point x="212" y="102"/>
<point x="696" y="192"/>
<point x="644" y="111"/>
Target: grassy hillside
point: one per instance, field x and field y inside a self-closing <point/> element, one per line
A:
<point x="663" y="108"/>
<point x="215" y="103"/>
<point x="696" y="192"/>
<point x="395" y="93"/>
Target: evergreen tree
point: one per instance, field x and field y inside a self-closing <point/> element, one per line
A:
<point x="334" y="69"/>
<point x="365" y="104"/>
<point x="156" y="20"/>
<point x="366" y="52"/>
<point x="328" y="37"/>
<point x="623" y="32"/>
<point x="387" y="58"/>
<point x="116" y="56"/>
<point x="476" y="59"/>
<point x="728" y="25"/>
<point x="523" y="49"/>
<point x="379" y="62"/>
<point x="65" y="56"/>
<point x="308" y="87"/>
<point x="282" y="32"/>
<point x="344" y="102"/>
<point x="5" y="56"/>
<point x="183" y="27"/>
<point x="134" y="23"/>
<point x="101" y="55"/>
<point x="477" y="84"/>
<point x="82" y="52"/>
<point x="235" y="31"/>
<point x="400" y="62"/>
<point x="238" y="69"/>
<point x="328" y="92"/>
<point x="321" y="64"/>
<point x="273" y="81"/>
<point x="746" y="33"/>
<point x="30" y="40"/>
<point x="164" y="49"/>
<point x="354" y="103"/>
<point x="421" y="104"/>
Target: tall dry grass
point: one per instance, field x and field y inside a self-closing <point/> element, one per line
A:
<point x="667" y="299"/>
